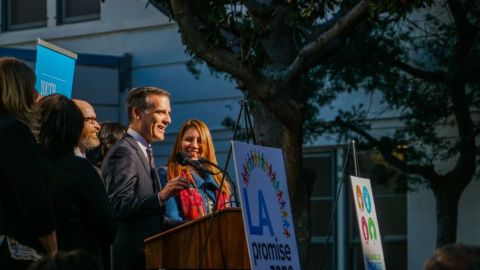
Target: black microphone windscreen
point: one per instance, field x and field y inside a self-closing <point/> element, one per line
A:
<point x="182" y="158"/>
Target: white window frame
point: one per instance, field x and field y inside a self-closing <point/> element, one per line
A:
<point x="62" y="19"/>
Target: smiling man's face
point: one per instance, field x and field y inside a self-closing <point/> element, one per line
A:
<point x="154" y="121"/>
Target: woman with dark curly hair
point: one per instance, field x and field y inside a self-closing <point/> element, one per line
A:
<point x="85" y="218"/>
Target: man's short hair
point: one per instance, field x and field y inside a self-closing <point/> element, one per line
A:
<point x="455" y="256"/>
<point x="138" y="97"/>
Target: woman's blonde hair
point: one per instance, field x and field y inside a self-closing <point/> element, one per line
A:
<point x="17" y="91"/>
<point x="207" y="151"/>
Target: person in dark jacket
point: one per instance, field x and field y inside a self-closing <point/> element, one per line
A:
<point x="71" y="260"/>
<point x="27" y="220"/>
<point x="131" y="179"/>
<point x="85" y="218"/>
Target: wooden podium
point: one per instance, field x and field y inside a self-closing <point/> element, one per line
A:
<point x="181" y="247"/>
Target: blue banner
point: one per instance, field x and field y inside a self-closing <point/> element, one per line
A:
<point x="54" y="69"/>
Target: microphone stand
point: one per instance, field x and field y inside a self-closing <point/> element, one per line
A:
<point x="226" y="176"/>
<point x="249" y="131"/>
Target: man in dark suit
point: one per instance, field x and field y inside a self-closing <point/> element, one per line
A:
<point x="131" y="179"/>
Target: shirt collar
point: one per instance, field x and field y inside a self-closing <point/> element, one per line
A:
<point x="140" y="140"/>
<point x="138" y="137"/>
<point x="78" y="153"/>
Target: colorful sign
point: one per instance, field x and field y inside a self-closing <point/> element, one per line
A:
<point x="367" y="224"/>
<point x="267" y="216"/>
<point x="54" y="69"/>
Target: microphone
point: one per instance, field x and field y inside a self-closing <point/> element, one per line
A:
<point x="184" y="159"/>
<point x="226" y="176"/>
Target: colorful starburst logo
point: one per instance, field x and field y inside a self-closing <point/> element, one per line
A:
<point x="256" y="160"/>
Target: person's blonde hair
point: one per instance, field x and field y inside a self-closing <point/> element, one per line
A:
<point x="17" y="91"/>
<point x="208" y="152"/>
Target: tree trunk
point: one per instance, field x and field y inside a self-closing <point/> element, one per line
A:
<point x="272" y="133"/>
<point x="447" y="215"/>
<point x="268" y="130"/>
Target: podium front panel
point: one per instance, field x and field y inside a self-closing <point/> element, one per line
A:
<point x="181" y="247"/>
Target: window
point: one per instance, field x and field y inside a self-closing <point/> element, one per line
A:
<point x="78" y="10"/>
<point x="23" y="14"/>
<point x="344" y="251"/>
<point x="323" y="165"/>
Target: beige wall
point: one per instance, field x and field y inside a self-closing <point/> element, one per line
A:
<point x="422" y="222"/>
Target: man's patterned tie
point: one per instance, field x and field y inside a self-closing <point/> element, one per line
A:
<point x="153" y="171"/>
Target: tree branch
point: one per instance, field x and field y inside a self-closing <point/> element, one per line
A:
<point x="456" y="83"/>
<point x="429" y="76"/>
<point x="300" y="63"/>
<point x="386" y="148"/>
<point x="466" y="164"/>
<point x="260" y="12"/>
<point x="162" y="7"/>
<point x="221" y="59"/>
<point x="464" y="27"/>
<point x="254" y="5"/>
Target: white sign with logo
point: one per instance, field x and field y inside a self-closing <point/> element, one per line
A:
<point x="367" y="224"/>
<point x="267" y="215"/>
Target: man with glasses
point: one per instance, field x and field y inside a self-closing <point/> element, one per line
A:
<point x="89" y="138"/>
<point x="88" y="141"/>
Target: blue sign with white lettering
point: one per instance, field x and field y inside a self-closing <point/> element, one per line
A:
<point x="54" y="70"/>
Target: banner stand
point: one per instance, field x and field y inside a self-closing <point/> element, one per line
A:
<point x="368" y="227"/>
<point x="54" y="69"/>
<point x="334" y="207"/>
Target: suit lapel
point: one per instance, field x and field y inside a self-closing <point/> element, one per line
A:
<point x="146" y="165"/>
<point x="140" y="153"/>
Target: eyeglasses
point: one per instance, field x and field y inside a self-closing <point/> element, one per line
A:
<point x="90" y="120"/>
